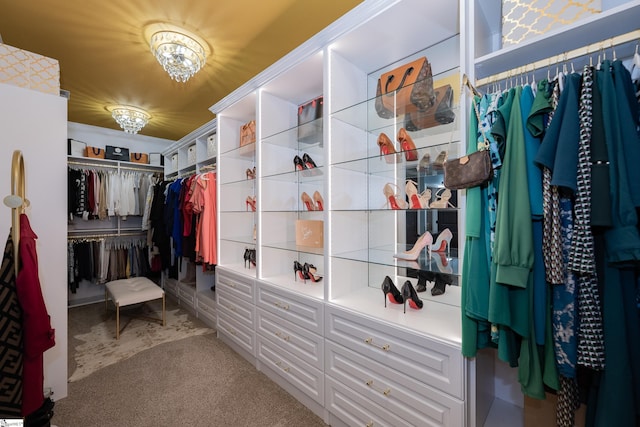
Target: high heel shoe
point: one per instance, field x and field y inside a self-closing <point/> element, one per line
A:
<point x="440" y="286"/>
<point x="417" y="201"/>
<point x="407" y="145"/>
<point x="251" y="173"/>
<point x="425" y="240"/>
<point x="251" y="203"/>
<point x="425" y="164"/>
<point x="247" y="257"/>
<point x="439" y="162"/>
<point x="319" y="201"/>
<point x="308" y="201"/>
<point x="298" y="271"/>
<point x="409" y="294"/>
<point x="308" y="161"/>
<point x="252" y="257"/>
<point x="443" y="242"/>
<point x="391" y="292"/>
<point x="298" y="164"/>
<point x="423" y="277"/>
<point x="310" y="272"/>
<point x="392" y="198"/>
<point x="442" y="199"/>
<point x="441" y="262"/>
<point x="387" y="149"/>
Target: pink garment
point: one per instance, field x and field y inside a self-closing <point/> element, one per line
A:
<point x="204" y="202"/>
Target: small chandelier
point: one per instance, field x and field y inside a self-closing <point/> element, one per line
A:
<point x="179" y="54"/>
<point x="130" y="119"/>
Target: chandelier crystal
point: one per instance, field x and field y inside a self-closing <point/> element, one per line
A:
<point x="130" y="119"/>
<point x="180" y="55"/>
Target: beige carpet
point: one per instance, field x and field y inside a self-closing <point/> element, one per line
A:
<point x="99" y="348"/>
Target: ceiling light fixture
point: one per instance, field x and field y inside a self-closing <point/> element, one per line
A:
<point x="179" y="54"/>
<point x="131" y="119"/>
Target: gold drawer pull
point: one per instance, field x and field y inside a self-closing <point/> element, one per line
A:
<point x="369" y="424"/>
<point x="385" y="347"/>
<point x="279" y="365"/>
<point x="284" y="337"/>
<point x="386" y="392"/>
<point x="232" y="332"/>
<point x="282" y="306"/>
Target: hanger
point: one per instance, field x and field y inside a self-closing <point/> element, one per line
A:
<point x="467" y="83"/>
<point x="17" y="201"/>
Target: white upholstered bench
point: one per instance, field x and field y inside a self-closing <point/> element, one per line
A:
<point x="135" y="290"/>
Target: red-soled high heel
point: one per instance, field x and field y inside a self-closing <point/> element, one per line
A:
<point x="308" y="201"/>
<point x="251" y="203"/>
<point x="319" y="201"/>
<point x="391" y="292"/>
<point x="387" y="149"/>
<point x="392" y="198"/>
<point x="410" y="294"/>
<point x="407" y="145"/>
<point x="443" y="242"/>
<point x="411" y="255"/>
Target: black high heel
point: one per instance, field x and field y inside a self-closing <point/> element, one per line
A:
<point x="391" y="292"/>
<point x="440" y="286"/>
<point x="298" y="164"/>
<point x="252" y="257"/>
<point x="298" y="271"/>
<point x="247" y="258"/>
<point x="410" y="295"/>
<point x="423" y="277"/>
<point x="308" y="161"/>
<point x="310" y="272"/>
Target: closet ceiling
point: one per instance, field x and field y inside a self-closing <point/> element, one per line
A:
<point x="105" y="59"/>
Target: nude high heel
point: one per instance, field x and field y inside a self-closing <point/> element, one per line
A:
<point x="417" y="201"/>
<point x="308" y="201"/>
<point x="319" y="201"/>
<point x="411" y="255"/>
<point x="407" y="145"/>
<point x="392" y="198"/>
<point x="251" y="203"/>
<point x="442" y="199"/>
<point x="443" y="242"/>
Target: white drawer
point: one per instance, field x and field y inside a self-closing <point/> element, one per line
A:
<point x="306" y="345"/>
<point x="187" y="295"/>
<point x="239" y="333"/>
<point x="306" y="378"/>
<point x="240" y="311"/>
<point x="302" y="311"/>
<point x="206" y="308"/>
<point x="394" y="389"/>
<point x="240" y="286"/>
<point x="432" y="362"/>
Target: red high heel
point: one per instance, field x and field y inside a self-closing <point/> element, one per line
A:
<point x="392" y="199"/>
<point x="251" y="203"/>
<point x="443" y="242"/>
<point x="387" y="149"/>
<point x="407" y="145"/>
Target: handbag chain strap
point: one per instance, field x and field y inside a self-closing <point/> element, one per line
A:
<point x="485" y="144"/>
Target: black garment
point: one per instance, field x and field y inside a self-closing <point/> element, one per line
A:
<point x="160" y="236"/>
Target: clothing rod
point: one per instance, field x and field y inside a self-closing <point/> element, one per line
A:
<point x="105" y="235"/>
<point x="96" y="165"/>
<point x="562" y="57"/>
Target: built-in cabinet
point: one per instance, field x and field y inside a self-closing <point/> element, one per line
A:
<point x="336" y="343"/>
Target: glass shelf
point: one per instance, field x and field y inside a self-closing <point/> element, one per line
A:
<point x="310" y="134"/>
<point x="291" y="246"/>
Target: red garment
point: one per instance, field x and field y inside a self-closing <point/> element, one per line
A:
<point x="39" y="336"/>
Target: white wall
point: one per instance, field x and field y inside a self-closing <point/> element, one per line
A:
<point x="100" y="137"/>
<point x="36" y="124"/>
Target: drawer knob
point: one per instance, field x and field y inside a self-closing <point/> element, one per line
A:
<point x="386" y="391"/>
<point x="385" y="347"/>
<point x="370" y="424"/>
<point x="284" y="337"/>
<point x="279" y="364"/>
<point x="282" y="306"/>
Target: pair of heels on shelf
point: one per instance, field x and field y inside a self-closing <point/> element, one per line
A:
<point x="388" y="150"/>
<point x="313" y="204"/>
<point x="406" y="294"/>
<point x="249" y="258"/>
<point x="441" y="281"/>
<point x="416" y="200"/>
<point x="442" y="244"/>
<point x="426" y="166"/>
<point x="306" y="272"/>
<point x="251" y="203"/>
<point x="251" y="173"/>
<point x="306" y="162"/>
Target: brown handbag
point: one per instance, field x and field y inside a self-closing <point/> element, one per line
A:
<point x="440" y="113"/>
<point x="95" y="153"/>
<point x="404" y="89"/>
<point x="248" y="133"/>
<point x="468" y="171"/>
<point x="140" y="158"/>
<point x="471" y="170"/>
